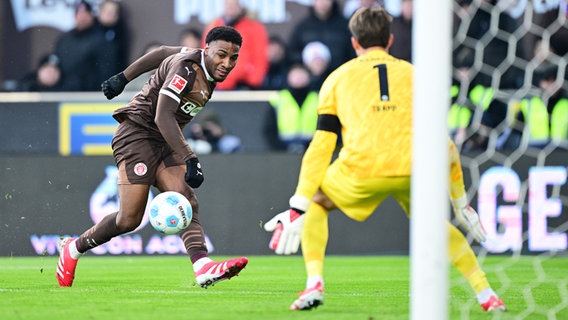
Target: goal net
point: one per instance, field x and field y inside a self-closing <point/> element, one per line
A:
<point x="509" y="117"/>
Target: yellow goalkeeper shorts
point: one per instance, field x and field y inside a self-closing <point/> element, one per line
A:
<point x="358" y="198"/>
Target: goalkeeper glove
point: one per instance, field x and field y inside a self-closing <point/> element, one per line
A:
<point x="194" y="173"/>
<point x="287" y="227"/>
<point x="469" y="219"/>
<point x="114" y="85"/>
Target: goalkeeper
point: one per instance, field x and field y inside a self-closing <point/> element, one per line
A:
<point x="368" y="100"/>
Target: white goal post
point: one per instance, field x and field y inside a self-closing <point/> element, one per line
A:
<point x="429" y="263"/>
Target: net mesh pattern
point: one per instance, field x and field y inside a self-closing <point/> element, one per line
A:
<point x="507" y="49"/>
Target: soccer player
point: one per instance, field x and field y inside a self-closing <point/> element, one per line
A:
<point x="150" y="149"/>
<point x="369" y="100"/>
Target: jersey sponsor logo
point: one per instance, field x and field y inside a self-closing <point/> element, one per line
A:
<point x="191" y="109"/>
<point x="140" y="169"/>
<point x="177" y="84"/>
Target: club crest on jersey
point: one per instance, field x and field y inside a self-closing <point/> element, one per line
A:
<point x="177" y="84"/>
<point x="140" y="169"/>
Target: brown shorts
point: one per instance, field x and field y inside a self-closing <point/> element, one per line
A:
<point x="142" y="152"/>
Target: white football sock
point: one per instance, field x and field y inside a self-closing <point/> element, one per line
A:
<point x="73" y="252"/>
<point x="313" y="280"/>
<point x="200" y="263"/>
<point x="484" y="295"/>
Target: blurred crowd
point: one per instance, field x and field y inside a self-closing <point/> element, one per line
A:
<point x="96" y="48"/>
<point x="509" y="78"/>
<point x="510" y="75"/>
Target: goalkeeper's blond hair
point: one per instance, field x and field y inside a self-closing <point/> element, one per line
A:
<point x="371" y="26"/>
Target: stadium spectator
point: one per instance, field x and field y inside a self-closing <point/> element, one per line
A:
<point x="47" y="76"/>
<point x="550" y="16"/>
<point x="461" y="109"/>
<point x="494" y="50"/>
<point x="292" y="116"/>
<point x="116" y="33"/>
<point x="150" y="149"/>
<point x="471" y="96"/>
<point x="275" y="78"/>
<point x="402" y="31"/>
<point x="539" y="119"/>
<point x="326" y="24"/>
<point x="373" y="163"/>
<point x="317" y="57"/>
<point x="191" y="38"/>
<point x="493" y="73"/>
<point x="208" y="135"/>
<point x="84" y="59"/>
<point x="253" y="61"/>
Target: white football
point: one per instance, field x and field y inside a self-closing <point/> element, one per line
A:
<point x="170" y="212"/>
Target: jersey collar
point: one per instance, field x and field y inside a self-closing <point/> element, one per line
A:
<point x="209" y="78"/>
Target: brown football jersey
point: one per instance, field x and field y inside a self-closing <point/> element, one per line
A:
<point x="183" y="79"/>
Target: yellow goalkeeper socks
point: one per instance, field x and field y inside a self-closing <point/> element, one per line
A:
<point x="314" y="239"/>
<point x="464" y="259"/>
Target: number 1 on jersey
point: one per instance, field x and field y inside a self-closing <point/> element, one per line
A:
<point x="383" y="82"/>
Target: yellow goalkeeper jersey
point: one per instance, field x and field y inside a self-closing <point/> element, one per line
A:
<point x="372" y="97"/>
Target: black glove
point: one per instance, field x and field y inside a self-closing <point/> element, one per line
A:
<point x="194" y="174"/>
<point x="114" y="85"/>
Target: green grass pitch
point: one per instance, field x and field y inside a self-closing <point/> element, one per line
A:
<point x="357" y="287"/>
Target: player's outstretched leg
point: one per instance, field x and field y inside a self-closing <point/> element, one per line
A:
<point x="213" y="272"/>
<point x="67" y="263"/>
<point x="309" y="298"/>
<point x="464" y="259"/>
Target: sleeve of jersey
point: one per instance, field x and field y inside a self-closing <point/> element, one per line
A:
<point x="318" y="156"/>
<point x="169" y="128"/>
<point x="150" y="61"/>
<point x="177" y="82"/>
<point x="457" y="187"/>
<point x="315" y="162"/>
